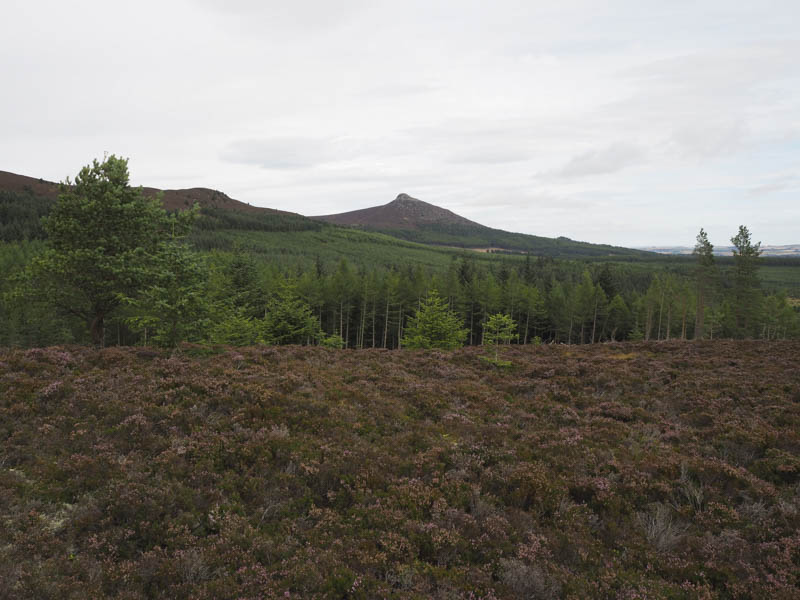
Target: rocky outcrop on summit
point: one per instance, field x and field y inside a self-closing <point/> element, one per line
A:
<point x="404" y="212"/>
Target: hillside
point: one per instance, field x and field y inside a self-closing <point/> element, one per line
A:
<point x="25" y="200"/>
<point x="434" y="235"/>
<point x="661" y="470"/>
<point x="404" y="212"/>
<point x="417" y="221"/>
<point x="172" y="199"/>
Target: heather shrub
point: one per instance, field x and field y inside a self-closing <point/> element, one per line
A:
<point x="303" y="472"/>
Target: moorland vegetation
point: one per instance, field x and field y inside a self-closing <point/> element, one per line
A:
<point x="659" y="470"/>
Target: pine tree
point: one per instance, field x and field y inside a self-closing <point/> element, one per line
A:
<point x="173" y="308"/>
<point x="705" y="274"/>
<point x="747" y="296"/>
<point x="104" y="238"/>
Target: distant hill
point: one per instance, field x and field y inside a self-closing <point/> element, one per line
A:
<point x="25" y="200"/>
<point x="172" y="199"/>
<point x="789" y="250"/>
<point x="417" y="221"/>
<point x="404" y="212"/>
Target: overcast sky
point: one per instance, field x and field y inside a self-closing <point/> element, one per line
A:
<point x="629" y="122"/>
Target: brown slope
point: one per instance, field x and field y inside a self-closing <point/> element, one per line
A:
<point x="12" y="182"/>
<point x="172" y="199"/>
<point x="404" y="212"/>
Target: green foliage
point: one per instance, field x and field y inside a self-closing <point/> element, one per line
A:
<point x="233" y="327"/>
<point x="216" y="219"/>
<point x="496" y="240"/>
<point x="619" y="318"/>
<point x="289" y="319"/>
<point x="499" y="329"/>
<point x="331" y="341"/>
<point x="434" y="326"/>
<point x="21" y="216"/>
<point x="362" y="287"/>
<point x="705" y="280"/>
<point x="173" y="307"/>
<point x="103" y="240"/>
<point x="747" y="297"/>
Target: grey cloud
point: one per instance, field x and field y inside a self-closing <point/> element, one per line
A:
<point x="488" y="156"/>
<point x="729" y="68"/>
<point x="602" y="161"/>
<point x="286" y="152"/>
<point x="707" y="139"/>
<point x="775" y="185"/>
<point x="400" y="90"/>
<point x="277" y="15"/>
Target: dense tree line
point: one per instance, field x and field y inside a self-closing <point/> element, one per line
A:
<point x="117" y="269"/>
<point x="231" y="298"/>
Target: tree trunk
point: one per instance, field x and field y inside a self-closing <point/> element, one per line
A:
<point x="700" y="314"/>
<point x="669" y="318"/>
<point x="98" y="330"/>
<point x="386" y="323"/>
<point x="527" y="324"/>
<point x="472" y="324"/>
<point x="683" y="317"/>
<point x="399" y="325"/>
<point x="347" y="329"/>
<point x="362" y="324"/>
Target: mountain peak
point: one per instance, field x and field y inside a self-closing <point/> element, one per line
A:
<point x="404" y="212"/>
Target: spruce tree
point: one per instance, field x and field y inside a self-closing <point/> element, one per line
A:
<point x="434" y="326"/>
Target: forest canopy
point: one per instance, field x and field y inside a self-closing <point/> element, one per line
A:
<point x="105" y="264"/>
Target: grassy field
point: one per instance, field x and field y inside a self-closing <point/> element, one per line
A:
<point x="650" y="470"/>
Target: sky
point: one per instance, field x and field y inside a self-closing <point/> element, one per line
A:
<point x="631" y="122"/>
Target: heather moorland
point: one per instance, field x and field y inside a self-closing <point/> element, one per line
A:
<point x="617" y="470"/>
